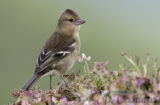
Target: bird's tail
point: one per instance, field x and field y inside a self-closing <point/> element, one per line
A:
<point x="30" y="83"/>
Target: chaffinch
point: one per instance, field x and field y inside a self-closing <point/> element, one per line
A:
<point x="60" y="50"/>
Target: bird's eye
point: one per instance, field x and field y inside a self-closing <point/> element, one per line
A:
<point x="71" y="20"/>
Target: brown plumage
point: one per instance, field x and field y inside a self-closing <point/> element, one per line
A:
<point x="61" y="49"/>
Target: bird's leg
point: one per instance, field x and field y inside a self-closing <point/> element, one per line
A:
<point x="50" y="82"/>
<point x="64" y="81"/>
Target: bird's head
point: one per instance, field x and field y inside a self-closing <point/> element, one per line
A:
<point x="69" y="22"/>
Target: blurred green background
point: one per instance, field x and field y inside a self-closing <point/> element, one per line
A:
<point x="112" y="26"/>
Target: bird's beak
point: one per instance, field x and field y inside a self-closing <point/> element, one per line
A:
<point x="79" y="22"/>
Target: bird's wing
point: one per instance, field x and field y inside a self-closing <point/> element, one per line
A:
<point x="48" y="59"/>
<point x="51" y="59"/>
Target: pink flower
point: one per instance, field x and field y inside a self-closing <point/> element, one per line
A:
<point x="83" y="57"/>
<point x="100" y="65"/>
<point x="116" y="99"/>
<point x="16" y="94"/>
<point x="140" y="81"/>
<point x="86" y="103"/>
<point x="158" y="87"/>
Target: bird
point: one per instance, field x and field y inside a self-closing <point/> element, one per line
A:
<point x="61" y="49"/>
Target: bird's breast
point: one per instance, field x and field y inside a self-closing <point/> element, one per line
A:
<point x="67" y="63"/>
